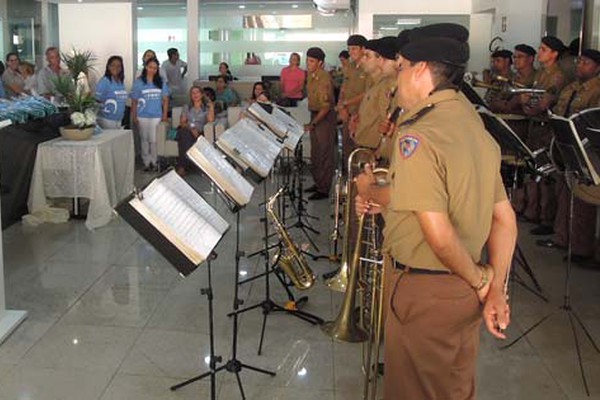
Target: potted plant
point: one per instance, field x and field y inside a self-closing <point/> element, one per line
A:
<point x="76" y="95"/>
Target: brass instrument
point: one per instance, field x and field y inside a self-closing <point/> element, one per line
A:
<point x="340" y="280"/>
<point x="470" y="78"/>
<point x="290" y="259"/>
<point x="350" y="326"/>
<point x="509" y="86"/>
<point x="337" y="209"/>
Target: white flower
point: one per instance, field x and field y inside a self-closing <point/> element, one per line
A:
<point x="78" y="119"/>
<point x="90" y="117"/>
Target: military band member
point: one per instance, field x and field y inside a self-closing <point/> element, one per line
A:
<point x="523" y="59"/>
<point x="379" y="62"/>
<point x="445" y="201"/>
<point x="582" y="94"/>
<point x="499" y="76"/>
<point x="322" y="123"/>
<point x="356" y="83"/>
<point x="541" y="201"/>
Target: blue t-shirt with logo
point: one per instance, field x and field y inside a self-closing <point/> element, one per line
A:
<point x="149" y="98"/>
<point x="113" y="96"/>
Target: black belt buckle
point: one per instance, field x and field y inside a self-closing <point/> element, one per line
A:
<point x="402" y="267"/>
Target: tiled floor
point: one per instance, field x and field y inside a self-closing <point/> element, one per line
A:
<point x="109" y="318"/>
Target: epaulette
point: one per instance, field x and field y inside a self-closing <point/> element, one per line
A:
<point x="422" y="112"/>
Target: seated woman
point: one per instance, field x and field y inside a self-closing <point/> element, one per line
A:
<point x="225" y="72"/>
<point x="226" y="95"/>
<point x="191" y="125"/>
<point x="257" y="90"/>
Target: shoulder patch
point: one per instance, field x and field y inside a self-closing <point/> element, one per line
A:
<point x="408" y="145"/>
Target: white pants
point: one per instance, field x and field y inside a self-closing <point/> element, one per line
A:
<point x="147" y="127"/>
<point x="108" y="123"/>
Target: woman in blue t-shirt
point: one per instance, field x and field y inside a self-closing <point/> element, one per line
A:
<point x="226" y="95"/>
<point x="194" y="116"/>
<point x="111" y="93"/>
<point x="150" y="104"/>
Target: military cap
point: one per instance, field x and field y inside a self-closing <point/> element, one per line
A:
<point x="525" y="48"/>
<point x="385" y="47"/>
<point x="502" y="54"/>
<point x="356" y="40"/>
<point x="315" y="52"/>
<point x="403" y="38"/>
<point x="592" y="54"/>
<point x="554" y="43"/>
<point x="445" y="43"/>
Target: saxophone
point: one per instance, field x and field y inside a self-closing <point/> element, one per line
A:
<point x="290" y="259"/>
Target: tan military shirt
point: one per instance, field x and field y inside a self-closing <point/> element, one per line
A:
<point x="578" y="96"/>
<point x="443" y="161"/>
<point x="373" y="110"/>
<point x="356" y="82"/>
<point x="320" y="90"/>
<point x="552" y="80"/>
<point x="525" y="78"/>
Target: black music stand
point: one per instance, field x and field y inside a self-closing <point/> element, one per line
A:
<point x="233" y="365"/>
<point x="508" y="140"/>
<point x="581" y="166"/>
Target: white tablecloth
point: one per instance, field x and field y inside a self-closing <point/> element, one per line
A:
<point x="100" y="169"/>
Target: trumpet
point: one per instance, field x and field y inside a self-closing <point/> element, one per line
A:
<point x="290" y="259"/>
<point x="470" y="78"/>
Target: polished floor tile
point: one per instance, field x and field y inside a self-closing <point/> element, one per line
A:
<point x="111" y="319"/>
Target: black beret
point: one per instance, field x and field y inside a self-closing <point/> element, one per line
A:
<point x="554" y="43"/>
<point x="525" y="48"/>
<point x="315" y="52"/>
<point x="502" y="54"/>
<point x="403" y="38"/>
<point x="356" y="40"/>
<point x="592" y="54"/>
<point x="385" y="47"/>
<point x="446" y="43"/>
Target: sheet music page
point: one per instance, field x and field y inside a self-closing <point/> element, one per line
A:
<point x="271" y="145"/>
<point x="249" y="146"/>
<point x="185" y="213"/>
<point x="211" y="161"/>
<point x="292" y="124"/>
<point x="277" y="126"/>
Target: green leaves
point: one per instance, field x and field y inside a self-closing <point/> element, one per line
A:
<point x="78" y="62"/>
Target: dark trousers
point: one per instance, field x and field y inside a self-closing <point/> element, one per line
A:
<point x="348" y="145"/>
<point x="185" y="140"/>
<point x="431" y="337"/>
<point x="584" y="222"/>
<point x="541" y="201"/>
<point x="322" y="145"/>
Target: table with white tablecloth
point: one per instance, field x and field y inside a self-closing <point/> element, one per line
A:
<point x="99" y="169"/>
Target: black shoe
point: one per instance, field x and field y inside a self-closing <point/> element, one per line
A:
<point x="318" y="196"/>
<point x="147" y="168"/>
<point x="549" y="243"/>
<point x="590" y="264"/>
<point x="311" y="189"/>
<point x="330" y="274"/>
<point x="542" y="230"/>
<point x="380" y="368"/>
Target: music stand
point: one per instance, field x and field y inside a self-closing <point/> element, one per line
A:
<point x="581" y="166"/>
<point x="508" y="140"/>
<point x="223" y="177"/>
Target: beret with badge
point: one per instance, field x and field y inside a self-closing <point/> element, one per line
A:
<point x="554" y="43"/>
<point x="502" y="54"/>
<point x="385" y="47"/>
<point x="316" y="52"/>
<point x="445" y="43"/>
<point x="356" y="40"/>
<point x="525" y="48"/>
<point x="592" y="54"/>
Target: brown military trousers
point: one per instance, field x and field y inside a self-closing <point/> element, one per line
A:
<point x="541" y="201"/>
<point x="431" y="337"/>
<point x="322" y="145"/>
<point x="584" y="222"/>
<point x="348" y="145"/>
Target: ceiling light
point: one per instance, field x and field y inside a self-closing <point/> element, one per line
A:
<point x="408" y="21"/>
<point x="241" y="6"/>
<point x="140" y="8"/>
<point x="294" y="5"/>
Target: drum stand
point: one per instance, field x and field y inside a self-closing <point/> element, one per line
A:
<point x="566" y="307"/>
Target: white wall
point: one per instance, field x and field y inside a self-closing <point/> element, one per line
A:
<point x="104" y="28"/>
<point x="367" y="8"/>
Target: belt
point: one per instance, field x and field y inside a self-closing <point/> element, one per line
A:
<point x="422" y="271"/>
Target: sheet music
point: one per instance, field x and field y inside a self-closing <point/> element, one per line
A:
<point x="276" y="125"/>
<point x="254" y="149"/>
<point x="273" y="145"/>
<point x="229" y="180"/>
<point x="184" y="213"/>
<point x="292" y="124"/>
